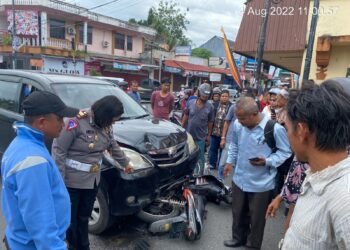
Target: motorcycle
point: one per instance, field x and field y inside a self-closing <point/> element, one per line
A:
<point x="180" y="206"/>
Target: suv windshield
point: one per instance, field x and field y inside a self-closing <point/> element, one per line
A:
<point x="82" y="95"/>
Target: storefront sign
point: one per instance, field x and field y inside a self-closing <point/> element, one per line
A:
<point x="183" y="50"/>
<point x="196" y="73"/>
<point x="201" y="74"/>
<point x="214" y="77"/>
<point x="36" y="63"/>
<point x="123" y="66"/>
<point x="172" y="70"/>
<point x="63" y="66"/>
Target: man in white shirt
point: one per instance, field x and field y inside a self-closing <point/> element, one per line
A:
<point x="318" y="124"/>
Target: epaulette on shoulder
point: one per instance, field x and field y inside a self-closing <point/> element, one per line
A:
<point x="82" y="114"/>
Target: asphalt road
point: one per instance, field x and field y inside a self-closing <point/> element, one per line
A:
<point x="217" y="228"/>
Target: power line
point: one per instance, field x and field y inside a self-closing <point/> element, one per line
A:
<point x="125" y="7"/>
<point x="86" y="10"/>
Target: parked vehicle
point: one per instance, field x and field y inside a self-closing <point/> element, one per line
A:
<point x="160" y="151"/>
<point x="120" y="82"/>
<point x="146" y="88"/>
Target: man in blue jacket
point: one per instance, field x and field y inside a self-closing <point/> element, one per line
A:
<point x="35" y="201"/>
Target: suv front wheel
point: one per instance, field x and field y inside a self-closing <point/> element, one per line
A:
<point x="100" y="218"/>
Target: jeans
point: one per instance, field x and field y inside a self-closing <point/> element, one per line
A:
<point x="82" y="202"/>
<point x="201" y="146"/>
<point x="214" y="150"/>
<point x="222" y="162"/>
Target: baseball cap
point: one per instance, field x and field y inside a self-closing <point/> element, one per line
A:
<point x="275" y="91"/>
<point x="204" y="89"/>
<point x="284" y="93"/>
<point x="44" y="102"/>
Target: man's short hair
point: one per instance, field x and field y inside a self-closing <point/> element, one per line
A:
<point x="165" y="80"/>
<point x="225" y="91"/>
<point x="247" y="104"/>
<point x="325" y="109"/>
<point x="134" y="82"/>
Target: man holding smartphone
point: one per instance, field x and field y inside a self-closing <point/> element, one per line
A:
<point x="255" y="167"/>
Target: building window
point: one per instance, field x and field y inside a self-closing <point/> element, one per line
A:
<point x="119" y="41"/>
<point x="57" y="29"/>
<point x="89" y="34"/>
<point x="129" y="43"/>
<point x="9" y="96"/>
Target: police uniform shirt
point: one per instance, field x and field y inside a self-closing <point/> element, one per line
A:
<point x="84" y="142"/>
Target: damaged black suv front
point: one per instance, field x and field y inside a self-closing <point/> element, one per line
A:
<point x="160" y="152"/>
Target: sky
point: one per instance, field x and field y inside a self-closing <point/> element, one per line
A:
<point x="205" y="16"/>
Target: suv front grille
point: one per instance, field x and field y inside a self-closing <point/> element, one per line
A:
<point x="172" y="156"/>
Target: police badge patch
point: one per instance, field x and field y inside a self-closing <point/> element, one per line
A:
<point x="72" y="124"/>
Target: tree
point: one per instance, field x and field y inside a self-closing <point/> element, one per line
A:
<point x="202" y="53"/>
<point x="169" y="22"/>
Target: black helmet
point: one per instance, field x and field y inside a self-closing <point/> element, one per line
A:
<point x="204" y="89"/>
<point x="216" y="90"/>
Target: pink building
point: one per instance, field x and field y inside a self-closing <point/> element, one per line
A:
<point x="55" y="36"/>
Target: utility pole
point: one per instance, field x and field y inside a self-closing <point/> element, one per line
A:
<point x="311" y="39"/>
<point x="261" y="43"/>
<point x="13" y="35"/>
<point x="160" y="67"/>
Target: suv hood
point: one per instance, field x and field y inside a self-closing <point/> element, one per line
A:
<point x="149" y="134"/>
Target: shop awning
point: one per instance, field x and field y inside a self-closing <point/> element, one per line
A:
<point x="186" y="68"/>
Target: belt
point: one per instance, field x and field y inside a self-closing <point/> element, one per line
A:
<point x="91" y="168"/>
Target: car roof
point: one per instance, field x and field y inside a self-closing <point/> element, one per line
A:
<point x="52" y="78"/>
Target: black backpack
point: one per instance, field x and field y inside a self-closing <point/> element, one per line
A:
<point x="270" y="140"/>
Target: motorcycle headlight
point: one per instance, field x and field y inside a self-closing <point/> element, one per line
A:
<point x="192" y="146"/>
<point x="137" y="161"/>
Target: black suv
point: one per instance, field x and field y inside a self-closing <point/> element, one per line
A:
<point x="160" y="150"/>
<point x="146" y="88"/>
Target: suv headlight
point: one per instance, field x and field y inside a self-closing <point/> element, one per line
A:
<point x="192" y="146"/>
<point x="137" y="161"/>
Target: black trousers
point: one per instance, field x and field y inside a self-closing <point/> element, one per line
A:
<point x="82" y="202"/>
<point x="248" y="212"/>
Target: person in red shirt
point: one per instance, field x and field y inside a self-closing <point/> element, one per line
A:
<point x="162" y="102"/>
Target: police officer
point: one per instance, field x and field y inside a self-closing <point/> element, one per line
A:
<point x="78" y="153"/>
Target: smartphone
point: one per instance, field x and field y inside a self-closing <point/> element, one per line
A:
<point x="254" y="159"/>
<point x="273" y="111"/>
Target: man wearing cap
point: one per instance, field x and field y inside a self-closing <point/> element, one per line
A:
<point x="270" y="110"/>
<point x="35" y="201"/>
<point x="200" y="118"/>
<point x="282" y="100"/>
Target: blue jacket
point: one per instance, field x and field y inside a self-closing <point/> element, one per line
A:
<point x="136" y="96"/>
<point x="35" y="201"/>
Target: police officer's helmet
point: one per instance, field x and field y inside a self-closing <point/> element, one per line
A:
<point x="216" y="90"/>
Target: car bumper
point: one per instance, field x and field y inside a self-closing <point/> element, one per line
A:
<point x="129" y="192"/>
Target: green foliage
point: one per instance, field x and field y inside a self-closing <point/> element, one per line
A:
<point x="169" y="22"/>
<point x="202" y="53"/>
<point x="93" y="72"/>
<point x="7" y="40"/>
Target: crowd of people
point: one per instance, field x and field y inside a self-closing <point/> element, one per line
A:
<point x="290" y="145"/>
